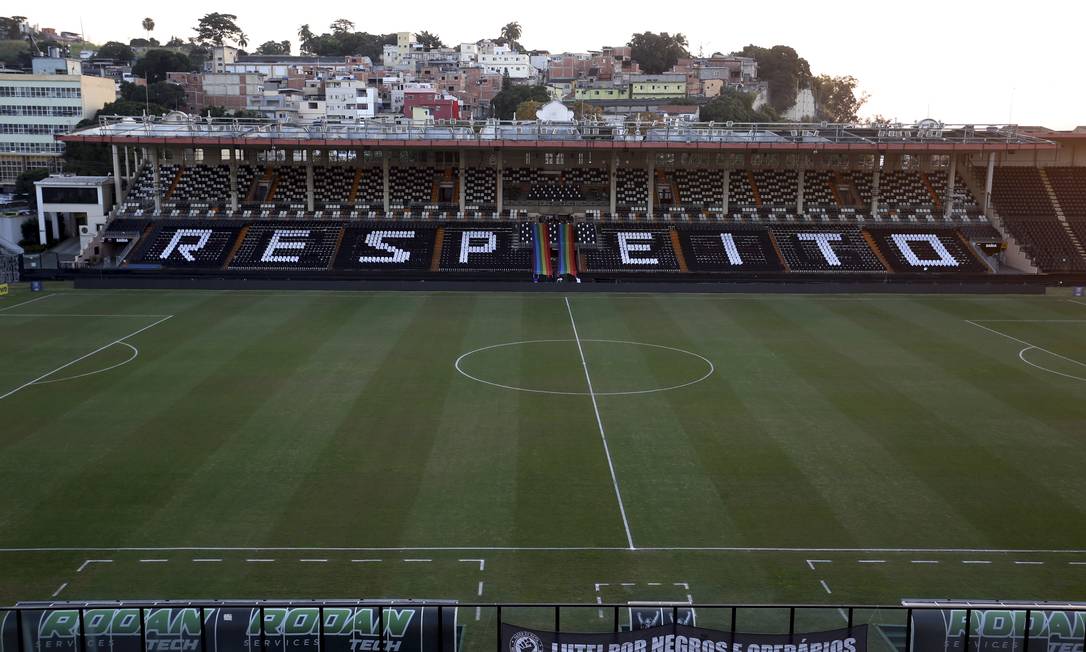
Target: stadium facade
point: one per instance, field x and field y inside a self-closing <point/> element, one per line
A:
<point x="672" y="201"/>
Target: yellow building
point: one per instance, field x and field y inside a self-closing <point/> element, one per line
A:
<point x="657" y="87"/>
<point x="35" y="108"/>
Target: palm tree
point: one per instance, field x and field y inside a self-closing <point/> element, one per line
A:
<point x="511" y="32"/>
<point x="243" y="40"/>
<point x="148" y="25"/>
<point x="305" y="37"/>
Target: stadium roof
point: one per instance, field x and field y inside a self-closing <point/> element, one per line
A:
<point x="185" y="130"/>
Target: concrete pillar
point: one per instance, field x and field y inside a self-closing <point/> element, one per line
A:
<point x="462" y="184"/>
<point x="988" y="182"/>
<point x="127" y="170"/>
<point x="614" y="182"/>
<point x="117" y="191"/>
<point x="875" y="194"/>
<point x="42" y="237"/>
<point x="157" y="181"/>
<point x="56" y="226"/>
<point x="384" y="183"/>
<point x="799" y="190"/>
<point x="951" y="179"/>
<point x="233" y="181"/>
<point x="309" y="199"/>
<point x="726" y="194"/>
<point x="652" y="183"/>
<point x="501" y="182"/>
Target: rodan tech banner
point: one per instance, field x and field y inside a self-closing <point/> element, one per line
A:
<point x="679" y="638"/>
<point x="231" y="629"/>
<point x="998" y="629"/>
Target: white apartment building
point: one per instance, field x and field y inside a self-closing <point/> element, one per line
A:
<point x="517" y="65"/>
<point x="220" y="57"/>
<point x="35" y="108"/>
<point x="349" y="100"/>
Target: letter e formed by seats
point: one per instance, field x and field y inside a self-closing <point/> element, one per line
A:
<point x="625" y="247"/>
<point x="277" y="244"/>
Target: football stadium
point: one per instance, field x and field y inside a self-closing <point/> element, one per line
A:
<point x="557" y="385"/>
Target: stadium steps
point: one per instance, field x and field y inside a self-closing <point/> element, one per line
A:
<point x="273" y="187"/>
<point x="677" y="246"/>
<point x="931" y="190"/>
<point x="835" y="188"/>
<point x="237" y="245"/>
<point x="439" y="242"/>
<point x="1014" y="252"/>
<point x="1051" y="192"/>
<point x="777" y="250"/>
<point x="354" y="187"/>
<point x="870" y="240"/>
<point x="258" y="182"/>
<point x="335" y="249"/>
<point x="173" y="183"/>
<point x="973" y="250"/>
<point x="754" y="189"/>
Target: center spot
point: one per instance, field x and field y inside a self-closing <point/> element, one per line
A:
<point x="616" y="367"/>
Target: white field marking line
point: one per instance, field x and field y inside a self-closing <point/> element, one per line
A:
<point x="481" y="562"/>
<point x="59" y="589"/>
<point x="85" y="356"/>
<point x="1077" y="563"/>
<point x="366" y="561"/>
<point x="1032" y="321"/>
<point x="599" y="422"/>
<point x="826" y="587"/>
<point x="206" y="560"/>
<point x="975" y="561"/>
<point x="1027" y="344"/>
<point x="479" y="610"/>
<point x="410" y="561"/>
<point x="260" y="561"/>
<point x="87" y="562"/>
<point x="27" y="302"/>
<point x="923" y="561"/>
<point x="1029" y="563"/>
<point x="685" y="585"/>
<point x="313" y="561"/>
<point x="135" y="354"/>
<point x="1022" y="357"/>
<point x="1081" y="303"/>
<point x="870" y="561"/>
<point x="38" y="315"/>
<point x="154" y="561"/>
<point x="812" y="562"/>
<point x="709" y="364"/>
<point x="747" y="549"/>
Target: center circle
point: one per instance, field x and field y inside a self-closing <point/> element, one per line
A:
<point x="545" y="356"/>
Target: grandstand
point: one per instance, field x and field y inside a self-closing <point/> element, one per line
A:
<point x="810" y="199"/>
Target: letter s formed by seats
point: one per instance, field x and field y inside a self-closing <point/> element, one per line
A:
<point x="376" y="240"/>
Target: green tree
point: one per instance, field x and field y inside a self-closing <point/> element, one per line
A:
<point x="164" y="94"/>
<point x="117" y="52"/>
<point x="148" y="25"/>
<point x="11" y="27"/>
<point x="130" y="107"/>
<point x="156" y="63"/>
<point x="174" y="42"/>
<point x="341" y="26"/>
<point x="734" y="106"/>
<point x="785" y="71"/>
<point x="216" y="29"/>
<point x="505" y="103"/>
<point x="527" y="109"/>
<point x="24" y="185"/>
<point x="274" y="47"/>
<point x="429" y="41"/>
<point x="836" y="99"/>
<point x="657" y="53"/>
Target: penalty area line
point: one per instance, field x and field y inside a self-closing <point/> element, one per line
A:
<point x="599" y="422"/>
<point x="119" y="340"/>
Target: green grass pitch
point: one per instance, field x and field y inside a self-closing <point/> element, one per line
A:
<point x="812" y="449"/>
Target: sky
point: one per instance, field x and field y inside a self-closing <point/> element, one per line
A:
<point x="958" y="62"/>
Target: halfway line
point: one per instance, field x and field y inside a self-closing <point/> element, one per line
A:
<point x="599" y="422"/>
